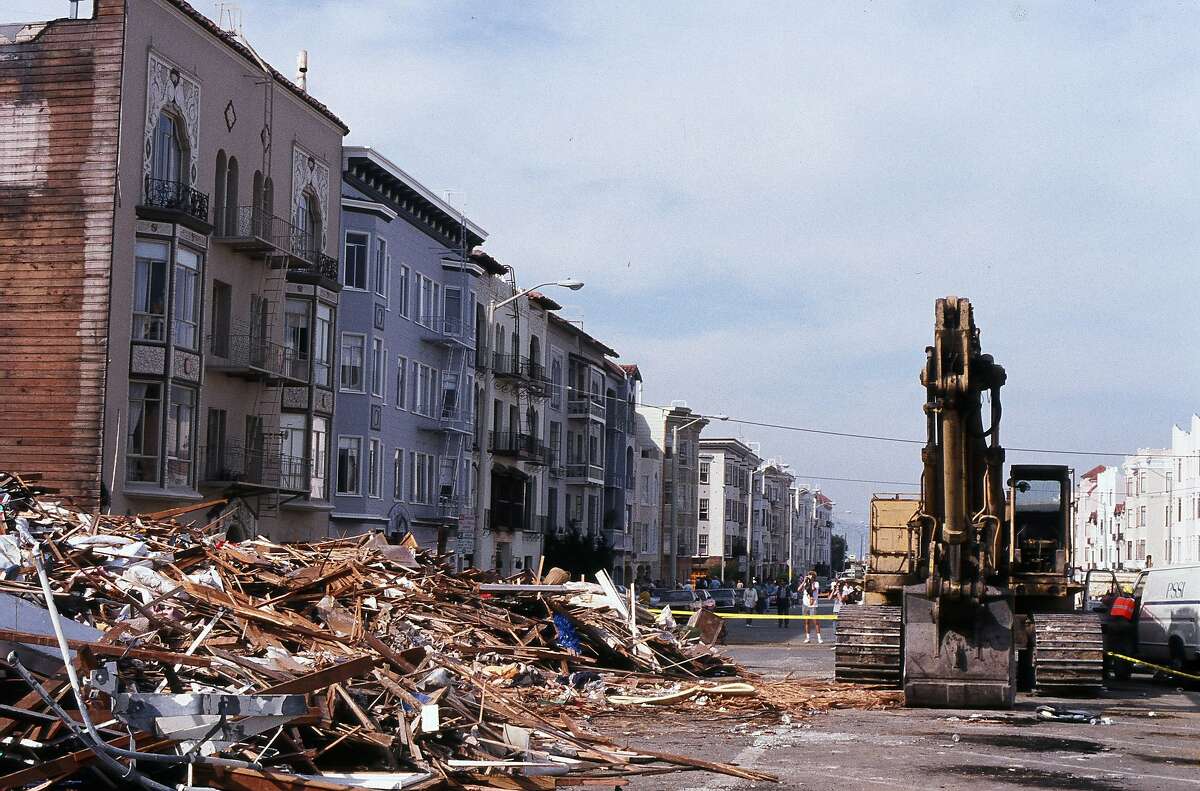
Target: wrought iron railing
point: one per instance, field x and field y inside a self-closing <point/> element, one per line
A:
<point x="510" y="365"/>
<point x="585" y="407"/>
<point x="252" y="353"/>
<point x="175" y="196"/>
<point x="235" y="463"/>
<point x="439" y="327"/>
<point x="250" y="223"/>
<point x="522" y="446"/>
<point x="592" y="472"/>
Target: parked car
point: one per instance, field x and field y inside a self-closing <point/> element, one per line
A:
<point x="681" y="599"/>
<point x="726" y="599"/>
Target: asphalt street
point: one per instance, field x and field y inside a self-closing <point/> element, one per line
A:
<point x="1152" y="743"/>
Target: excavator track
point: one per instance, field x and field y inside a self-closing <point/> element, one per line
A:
<point x="1068" y="653"/>
<point x="869" y="646"/>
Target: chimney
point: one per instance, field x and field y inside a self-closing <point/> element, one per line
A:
<point x="302" y="70"/>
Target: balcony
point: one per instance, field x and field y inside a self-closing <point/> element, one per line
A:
<point x="234" y="465"/>
<point x="585" y="474"/>
<point x="176" y="202"/>
<point x="457" y="420"/>
<point x="260" y="234"/>
<point x="585" y="409"/>
<point x="510" y="366"/>
<point x="445" y="331"/>
<point x="252" y="358"/>
<point x="524" y="447"/>
<point x="619" y="540"/>
<point x="445" y="510"/>
<point x="557" y="468"/>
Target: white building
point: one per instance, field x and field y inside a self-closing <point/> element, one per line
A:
<point x="1139" y="535"/>
<point x="770" y="553"/>
<point x="727" y="467"/>
<point x="1183" y="538"/>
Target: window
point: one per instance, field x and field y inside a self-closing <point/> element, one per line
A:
<point x="425" y="389"/>
<point x="401" y="383"/>
<point x="145" y="429"/>
<point x="295" y="338"/>
<point x="402" y="291"/>
<point x="684" y="452"/>
<point x="222" y="311"/>
<point x="453" y="310"/>
<point x="352" y="362"/>
<point x="319" y="451"/>
<point x="381" y="267"/>
<point x="704" y="472"/>
<point x="668" y="491"/>
<point x="421" y="466"/>
<point x="428" y="301"/>
<point x="398" y="474"/>
<point x="556" y="383"/>
<point x="348" y="469"/>
<point x="294" y="435"/>
<point x="187" y="298"/>
<point x="308" y="226"/>
<point x="323" y="345"/>
<point x="374" y="468"/>
<point x="703" y="509"/>
<point x="167" y="160"/>
<point x="356" y="260"/>
<point x="703" y="545"/>
<point x="180" y="422"/>
<point x="150" y="291"/>
<point x="377" y="367"/>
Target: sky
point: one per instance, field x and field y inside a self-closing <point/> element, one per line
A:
<point x="765" y="199"/>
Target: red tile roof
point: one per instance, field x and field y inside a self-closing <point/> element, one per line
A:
<point x="823" y="500"/>
<point x="1118" y="509"/>
<point x="1093" y="472"/>
<point x="543" y="301"/>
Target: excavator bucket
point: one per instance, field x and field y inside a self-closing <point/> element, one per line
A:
<point x="959" y="654"/>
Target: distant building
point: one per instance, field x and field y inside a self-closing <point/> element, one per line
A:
<point x="1183" y="536"/>
<point x="658" y="429"/>
<point x="727" y="468"/>
<point x="770" y="552"/>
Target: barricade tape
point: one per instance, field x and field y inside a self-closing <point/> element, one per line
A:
<point x="1172" y="671"/>
<point x="733" y="616"/>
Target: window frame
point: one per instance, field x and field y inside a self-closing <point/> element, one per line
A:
<point x="358" y="476"/>
<point x="398" y="475"/>
<point x="195" y="274"/>
<point x="366" y="260"/>
<point x="381" y="269"/>
<point x="401" y="382"/>
<point x="165" y="275"/>
<point x="378" y="372"/>
<point x="156" y="436"/>
<point x="342" y="363"/>
<point x="405" y="294"/>
<point x="375" y="468"/>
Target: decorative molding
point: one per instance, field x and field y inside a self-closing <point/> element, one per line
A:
<point x="323" y="401"/>
<point x="166" y="84"/>
<point x="186" y="365"/>
<point x="309" y="171"/>
<point x="147" y="360"/>
<point x="295" y="397"/>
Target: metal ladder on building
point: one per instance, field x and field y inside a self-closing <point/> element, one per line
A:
<point x="454" y="436"/>
<point x="268" y="403"/>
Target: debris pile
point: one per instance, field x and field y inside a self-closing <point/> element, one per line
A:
<point x="348" y="663"/>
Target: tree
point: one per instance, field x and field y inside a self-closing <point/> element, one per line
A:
<point x="576" y="553"/>
<point x="837" y="553"/>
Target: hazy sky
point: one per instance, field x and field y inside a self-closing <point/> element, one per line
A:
<point x="765" y="199"/>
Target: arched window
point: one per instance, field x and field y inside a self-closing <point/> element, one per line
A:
<point x="308" y="224"/>
<point x="499" y="350"/>
<point x="231" y="200"/>
<point x="268" y="202"/>
<point x="219" y="193"/>
<point x="169" y="147"/>
<point x="535" y="350"/>
<point x="531" y="422"/>
<point x="629" y="472"/>
<point x="516" y="353"/>
<point x="257" y="199"/>
<point x="556" y="383"/>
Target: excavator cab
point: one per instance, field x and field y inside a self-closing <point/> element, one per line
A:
<point x="1039" y="505"/>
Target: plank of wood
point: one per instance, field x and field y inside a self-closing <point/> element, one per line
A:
<point x="104" y="649"/>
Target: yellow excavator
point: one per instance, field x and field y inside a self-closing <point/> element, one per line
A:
<point x="968" y="592"/>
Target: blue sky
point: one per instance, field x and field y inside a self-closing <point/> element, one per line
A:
<point x="766" y="198"/>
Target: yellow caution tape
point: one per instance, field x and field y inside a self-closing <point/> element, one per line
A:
<point x="733" y="616"/>
<point x="1159" y="668"/>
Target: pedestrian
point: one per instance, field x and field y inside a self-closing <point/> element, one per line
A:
<point x="714" y="584"/>
<point x="750" y="600"/>
<point x="810" y="591"/>
<point x="760" y="604"/>
<point x="783" y="605"/>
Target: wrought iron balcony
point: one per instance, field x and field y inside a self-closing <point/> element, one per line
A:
<point x="235" y="464"/>
<point x="525" y="447"/>
<point x="585" y="408"/>
<point x="251" y="357"/>
<point x="512" y="366"/>
<point x="442" y="330"/>
<point x="585" y="473"/>
<point x="259" y="233"/>
<point x="174" y="200"/>
<point x="446" y="509"/>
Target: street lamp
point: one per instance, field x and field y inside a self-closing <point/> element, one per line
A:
<point x="672" y="549"/>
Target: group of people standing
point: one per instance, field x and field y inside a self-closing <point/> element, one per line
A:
<point x="806" y="592"/>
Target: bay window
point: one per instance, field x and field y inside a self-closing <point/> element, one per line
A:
<point x="180" y="423"/>
<point x="323" y="345"/>
<point x="187" y="298"/>
<point x="144" y="432"/>
<point x="319" y="453"/>
<point x="150" y="291"/>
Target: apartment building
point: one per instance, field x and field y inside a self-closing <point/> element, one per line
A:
<point x="579" y="434"/>
<point x="1183" y="528"/>
<point x="673" y="435"/>
<point x="513" y="389"/>
<point x="647" y="496"/>
<point x="726" y="503"/>
<point x="405" y="423"/>
<point x="620" y="466"/>
<point x="820" y="543"/>
<point x="186" y="233"/>
<point x="772" y="528"/>
<point x="1144" y="523"/>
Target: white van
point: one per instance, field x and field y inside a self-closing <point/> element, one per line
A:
<point x="1168" y="615"/>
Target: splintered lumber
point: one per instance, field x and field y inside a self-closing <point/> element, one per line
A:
<point x="408" y="671"/>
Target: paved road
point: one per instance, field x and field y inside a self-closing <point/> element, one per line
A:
<point x="1153" y="742"/>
